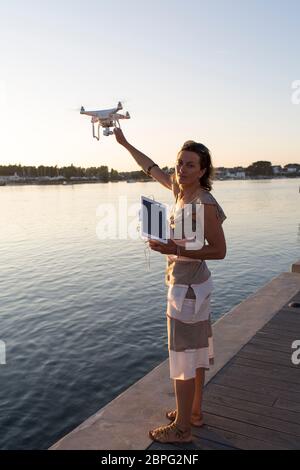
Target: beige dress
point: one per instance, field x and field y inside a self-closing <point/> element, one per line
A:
<point x="190" y="341"/>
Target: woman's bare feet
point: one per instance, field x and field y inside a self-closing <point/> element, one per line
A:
<point x="196" y="419"/>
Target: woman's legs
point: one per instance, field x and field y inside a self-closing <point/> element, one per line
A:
<point x="180" y="429"/>
<point x="189" y="395"/>
<point x="184" y="392"/>
<point x="199" y="384"/>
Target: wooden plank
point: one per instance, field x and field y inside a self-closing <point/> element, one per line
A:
<point x="267" y="329"/>
<point x="287" y="405"/>
<point x="286" y="323"/>
<point x="296" y="298"/>
<point x="284" y="415"/>
<point x="274" y="335"/>
<point x="267" y="386"/>
<point x="220" y="390"/>
<point x="259" y="348"/>
<point x="283" y="333"/>
<point x="159" y="446"/>
<point x="251" y="348"/>
<point x="291" y="430"/>
<point x="239" y="441"/>
<point x="267" y="370"/>
<point x="285" y="347"/>
<point x="277" y="326"/>
<point x="270" y="342"/>
<point x="273" y="357"/>
<point x="289" y="310"/>
<point x="282" y="440"/>
<point x="291" y="313"/>
<point x="197" y="444"/>
<point x="241" y="374"/>
<point x="288" y="314"/>
<point x="270" y="359"/>
<point x="289" y="320"/>
<point x="204" y="444"/>
<point x="211" y="435"/>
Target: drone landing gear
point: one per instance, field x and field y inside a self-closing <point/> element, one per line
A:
<point x="106" y="129"/>
<point x="98" y="131"/>
<point x="117" y="124"/>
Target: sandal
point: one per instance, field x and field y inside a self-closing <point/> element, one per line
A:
<point x="171" y="415"/>
<point x="169" y="434"/>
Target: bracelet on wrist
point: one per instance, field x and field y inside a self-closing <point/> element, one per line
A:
<point x="149" y="168"/>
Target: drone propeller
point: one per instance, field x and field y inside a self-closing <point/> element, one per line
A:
<point x="77" y="110"/>
<point x="88" y="106"/>
<point x="122" y="101"/>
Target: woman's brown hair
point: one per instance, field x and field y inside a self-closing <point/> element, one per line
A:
<point x="205" y="163"/>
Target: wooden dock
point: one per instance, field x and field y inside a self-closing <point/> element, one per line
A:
<point x="253" y="402"/>
<point x="251" y="395"/>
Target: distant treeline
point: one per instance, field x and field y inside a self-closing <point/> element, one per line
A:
<point x="102" y="172"/>
<point x="259" y="168"/>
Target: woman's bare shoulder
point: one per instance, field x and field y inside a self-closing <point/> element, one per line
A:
<point x="205" y="197"/>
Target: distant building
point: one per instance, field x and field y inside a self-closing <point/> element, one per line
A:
<point x="230" y="173"/>
<point x="292" y="168"/>
<point x="220" y="173"/>
<point x="277" y="169"/>
<point x="240" y="173"/>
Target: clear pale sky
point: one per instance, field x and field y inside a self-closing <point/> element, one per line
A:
<point x="218" y="72"/>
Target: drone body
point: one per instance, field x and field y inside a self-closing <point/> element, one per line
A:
<point x="105" y="118"/>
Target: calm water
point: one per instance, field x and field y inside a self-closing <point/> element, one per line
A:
<point x="84" y="318"/>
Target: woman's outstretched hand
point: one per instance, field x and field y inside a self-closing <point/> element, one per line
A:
<point x="120" y="138"/>
<point x="169" y="248"/>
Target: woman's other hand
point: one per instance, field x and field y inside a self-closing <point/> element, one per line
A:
<point x="169" y="248"/>
<point x="120" y="138"/>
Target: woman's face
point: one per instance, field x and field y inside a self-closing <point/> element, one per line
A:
<point x="188" y="170"/>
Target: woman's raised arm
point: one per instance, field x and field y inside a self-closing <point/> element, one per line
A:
<point x="144" y="161"/>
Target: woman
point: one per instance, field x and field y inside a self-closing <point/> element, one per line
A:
<point x="190" y="285"/>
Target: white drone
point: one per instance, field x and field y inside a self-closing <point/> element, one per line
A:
<point x="106" y="118"/>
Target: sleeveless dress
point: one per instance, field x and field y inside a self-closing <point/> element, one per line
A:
<point x="190" y="341"/>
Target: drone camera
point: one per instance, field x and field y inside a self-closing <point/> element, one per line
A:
<point x="107" y="132"/>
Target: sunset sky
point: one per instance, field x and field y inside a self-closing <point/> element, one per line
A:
<point x="218" y="72"/>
